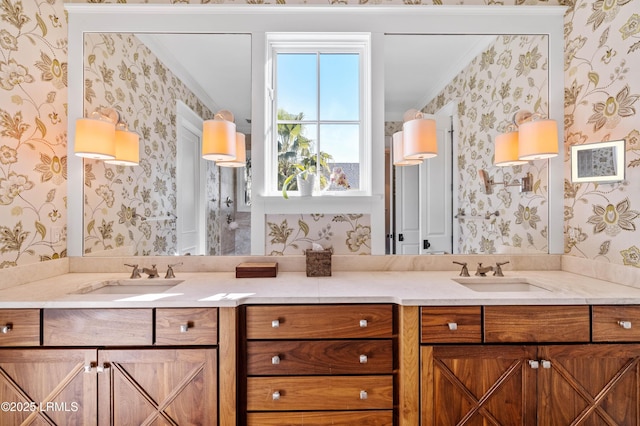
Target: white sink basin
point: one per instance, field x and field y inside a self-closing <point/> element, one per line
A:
<point x="499" y="285"/>
<point x="129" y="287"/>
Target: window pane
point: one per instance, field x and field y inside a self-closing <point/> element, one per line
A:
<point x="342" y="143"/>
<point x="339" y="86"/>
<point x="296" y="147"/>
<point x="297" y="84"/>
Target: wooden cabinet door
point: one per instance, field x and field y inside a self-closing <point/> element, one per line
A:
<point x="589" y="385"/>
<point x="47" y="387"/>
<point x="478" y="385"/>
<point x="158" y="387"/>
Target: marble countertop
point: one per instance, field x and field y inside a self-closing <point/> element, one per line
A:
<point x="411" y="288"/>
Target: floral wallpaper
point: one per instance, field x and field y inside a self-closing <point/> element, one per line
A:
<point x="510" y="75"/>
<point x="135" y="207"/>
<point x="602" y="45"/>
<point x="33" y="135"/>
<point x="343" y="233"/>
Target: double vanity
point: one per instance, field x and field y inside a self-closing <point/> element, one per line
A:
<point x="399" y="341"/>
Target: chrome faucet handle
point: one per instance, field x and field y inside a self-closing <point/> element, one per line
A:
<point x="498" y="271"/>
<point x="136" y="272"/>
<point x="170" y="273"/>
<point x="465" y="271"/>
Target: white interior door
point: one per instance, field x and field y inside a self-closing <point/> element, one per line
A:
<point x="190" y="182"/>
<point x="407" y="210"/>
<point x="436" y="225"/>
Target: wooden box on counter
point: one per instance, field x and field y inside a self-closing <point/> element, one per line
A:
<point x="257" y="270"/>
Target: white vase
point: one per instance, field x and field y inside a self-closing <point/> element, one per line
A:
<point x="305" y="184"/>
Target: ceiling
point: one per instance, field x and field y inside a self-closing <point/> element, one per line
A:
<point x="218" y="68"/>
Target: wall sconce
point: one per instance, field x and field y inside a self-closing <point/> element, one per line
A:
<point x="420" y="138"/>
<point x="241" y="153"/>
<point x="398" y="151"/>
<point x="506" y="150"/>
<point x="105" y="137"/>
<point x="219" y="137"/>
<point x="526" y="185"/>
<point x="95" y="136"/>
<point x="530" y="137"/>
<point x="127" y="147"/>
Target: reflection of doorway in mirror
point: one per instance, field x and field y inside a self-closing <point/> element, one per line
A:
<point x="190" y="183"/>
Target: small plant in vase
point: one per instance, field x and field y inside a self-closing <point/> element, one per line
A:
<point x="305" y="175"/>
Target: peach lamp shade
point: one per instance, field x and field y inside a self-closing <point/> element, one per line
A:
<point x="420" y="139"/>
<point x="95" y="139"/>
<point x="127" y="148"/>
<point x="398" y="151"/>
<point x="241" y="153"/>
<point x="506" y="150"/>
<point x="218" y="140"/>
<point x="537" y="139"/>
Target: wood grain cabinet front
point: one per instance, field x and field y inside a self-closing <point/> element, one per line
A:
<point x="319" y="321"/>
<point x="319" y="357"/>
<point x="97" y="327"/>
<point x="19" y="327"/>
<point x="451" y="324"/>
<point x="320" y="393"/>
<point x="320" y="365"/>
<point x="186" y="326"/>
<point x="510" y="324"/>
<point x="612" y="323"/>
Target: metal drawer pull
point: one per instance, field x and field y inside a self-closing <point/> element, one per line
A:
<point x="533" y="364"/>
<point x="545" y="363"/>
<point x="363" y="323"/>
<point x="363" y="359"/>
<point x="184" y="328"/>
<point x="275" y="396"/>
<point x="363" y="394"/>
<point x="275" y="360"/>
<point x="453" y="326"/>
<point x="624" y="324"/>
<point x="275" y="323"/>
<point x="7" y="328"/>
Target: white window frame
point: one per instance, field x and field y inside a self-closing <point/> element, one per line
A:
<point x="359" y="43"/>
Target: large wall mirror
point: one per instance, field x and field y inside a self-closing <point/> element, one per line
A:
<point x="101" y="219"/>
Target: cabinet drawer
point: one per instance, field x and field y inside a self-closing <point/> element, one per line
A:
<point x="186" y="326"/>
<point x="319" y="393"/>
<point x="536" y="324"/>
<point x="616" y="323"/>
<point x="19" y="327"/>
<point x="321" y="357"/>
<point x="322" y="418"/>
<point x="451" y="324"/>
<point x="319" y="321"/>
<point x="97" y="327"/>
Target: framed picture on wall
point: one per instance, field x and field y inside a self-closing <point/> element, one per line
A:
<point x="598" y="162"/>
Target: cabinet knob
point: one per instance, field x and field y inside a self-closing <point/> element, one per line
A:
<point x="533" y="364"/>
<point x="545" y="363"/>
<point x="363" y="323"/>
<point x="102" y="368"/>
<point x="87" y="368"/>
<point x="363" y="394"/>
<point x="363" y="359"/>
<point x="275" y="360"/>
<point x="624" y="324"/>
<point x="6" y="328"/>
<point x="275" y="396"/>
<point x="453" y="326"/>
<point x="275" y="323"/>
<point x="184" y="328"/>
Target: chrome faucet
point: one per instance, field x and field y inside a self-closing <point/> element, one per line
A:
<point x="465" y="271"/>
<point x="135" y="273"/>
<point x="153" y="272"/>
<point x="498" y="271"/>
<point x="481" y="271"/>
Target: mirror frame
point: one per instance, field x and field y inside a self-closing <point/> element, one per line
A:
<point x="259" y="19"/>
